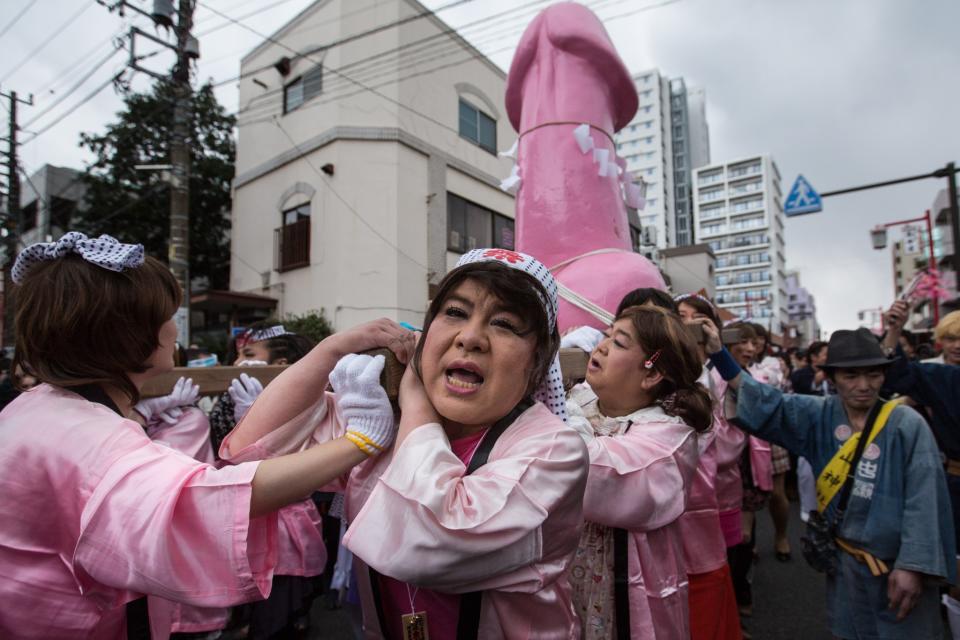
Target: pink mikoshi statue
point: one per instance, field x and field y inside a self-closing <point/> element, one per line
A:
<point x="568" y="92"/>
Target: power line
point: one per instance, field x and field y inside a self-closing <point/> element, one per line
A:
<point x="385" y="97"/>
<point x="307" y="54"/>
<point x="261" y="113"/>
<point x="386" y="60"/>
<point x="17" y="17"/>
<point x="48" y="40"/>
<point x="390" y="64"/>
<point x="90" y="96"/>
<point x="71" y="90"/>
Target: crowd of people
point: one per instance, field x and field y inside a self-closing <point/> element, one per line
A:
<point x="490" y="500"/>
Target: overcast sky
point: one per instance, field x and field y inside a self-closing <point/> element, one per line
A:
<point x="845" y="92"/>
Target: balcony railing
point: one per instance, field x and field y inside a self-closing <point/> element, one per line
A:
<point x="292" y="245"/>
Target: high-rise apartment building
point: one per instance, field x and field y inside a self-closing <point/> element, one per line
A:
<point x="666" y="139"/>
<point x="802" y="310"/>
<point x="738" y="211"/>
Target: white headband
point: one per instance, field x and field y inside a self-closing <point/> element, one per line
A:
<point x="551" y="392"/>
<point x="105" y="252"/>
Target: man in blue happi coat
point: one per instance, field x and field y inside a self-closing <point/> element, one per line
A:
<point x="895" y="539"/>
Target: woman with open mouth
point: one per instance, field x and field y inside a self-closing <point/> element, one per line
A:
<point x="640" y="410"/>
<point x="464" y="526"/>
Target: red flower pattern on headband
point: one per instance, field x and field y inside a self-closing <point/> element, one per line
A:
<point x="504" y="254"/>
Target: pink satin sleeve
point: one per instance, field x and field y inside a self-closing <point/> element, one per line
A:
<point x="190" y="435"/>
<point x="627" y="465"/>
<point x="761" y="463"/>
<point x="163" y="524"/>
<point x="316" y="424"/>
<point x="426" y="523"/>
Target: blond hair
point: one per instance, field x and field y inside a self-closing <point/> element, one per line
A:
<point x="948" y="327"/>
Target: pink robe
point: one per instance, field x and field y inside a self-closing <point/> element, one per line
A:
<point x="704" y="547"/>
<point x="509" y="529"/>
<point x="95" y="515"/>
<point x="300" y="547"/>
<point x="190" y="435"/>
<point x="639" y="481"/>
<point x="729" y="444"/>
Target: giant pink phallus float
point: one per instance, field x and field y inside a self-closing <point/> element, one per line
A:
<point x="568" y="92"/>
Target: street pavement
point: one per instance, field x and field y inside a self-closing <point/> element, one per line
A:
<point x="788" y="597"/>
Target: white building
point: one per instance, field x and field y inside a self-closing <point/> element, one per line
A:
<point x="802" y="310"/>
<point x="738" y="211"/>
<point x="666" y="139"/>
<point x="364" y="168"/>
<point x="646" y="145"/>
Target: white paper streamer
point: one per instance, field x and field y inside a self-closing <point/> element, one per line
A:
<point x="512" y="151"/>
<point x="583" y="138"/>
<point x="512" y="182"/>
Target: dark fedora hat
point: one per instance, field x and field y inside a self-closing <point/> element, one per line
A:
<point x="855" y="350"/>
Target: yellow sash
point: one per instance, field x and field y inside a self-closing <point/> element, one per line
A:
<point x="835" y="473"/>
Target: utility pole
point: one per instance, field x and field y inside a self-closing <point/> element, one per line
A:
<point x="12" y="225"/>
<point x="179" y="247"/>
<point x="187" y="50"/>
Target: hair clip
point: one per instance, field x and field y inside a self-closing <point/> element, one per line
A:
<point x="652" y="359"/>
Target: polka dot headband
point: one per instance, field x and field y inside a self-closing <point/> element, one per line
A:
<point x="551" y="392"/>
<point x="105" y="252"/>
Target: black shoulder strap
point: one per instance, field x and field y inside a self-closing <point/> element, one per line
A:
<point x="138" y="617"/>
<point x="621" y="591"/>
<point x="848" y="483"/>
<point x="95" y="393"/>
<point x="468" y="623"/>
<point x="621" y="581"/>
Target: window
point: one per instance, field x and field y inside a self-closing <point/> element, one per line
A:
<point x="303" y="89"/>
<point x="470" y="226"/>
<point x="478" y="127"/>
<point x="292" y="239"/>
<point x="28" y="217"/>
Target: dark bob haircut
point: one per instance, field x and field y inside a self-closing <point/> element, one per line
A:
<point x="77" y="323"/>
<point x="647" y="295"/>
<point x="520" y="293"/>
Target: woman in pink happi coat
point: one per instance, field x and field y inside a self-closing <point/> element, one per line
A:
<point x="711" y="522"/>
<point x="93" y="514"/>
<point x="467" y="526"/>
<point x="640" y="410"/>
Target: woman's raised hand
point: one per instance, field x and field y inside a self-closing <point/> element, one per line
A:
<point x="377" y="334"/>
<point x="362" y="402"/>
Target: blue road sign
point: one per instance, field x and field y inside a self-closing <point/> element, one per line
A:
<point x="802" y="199"/>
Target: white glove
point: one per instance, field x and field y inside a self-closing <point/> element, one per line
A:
<point x="243" y="391"/>
<point x="167" y="408"/>
<point x="583" y="338"/>
<point x="363" y="403"/>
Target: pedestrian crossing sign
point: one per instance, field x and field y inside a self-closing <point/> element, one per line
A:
<point x="802" y="199"/>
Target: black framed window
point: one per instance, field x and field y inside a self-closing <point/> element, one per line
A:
<point x="478" y="127"/>
<point x="471" y="226"/>
<point x="303" y="89"/>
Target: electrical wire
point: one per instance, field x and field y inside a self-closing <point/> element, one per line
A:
<point x="90" y="96"/>
<point x="71" y="90"/>
<point x="48" y="40"/>
<point x="264" y="116"/>
<point x="17" y="17"/>
<point x="259" y="106"/>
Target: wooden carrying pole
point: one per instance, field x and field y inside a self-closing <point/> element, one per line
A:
<point x="215" y="380"/>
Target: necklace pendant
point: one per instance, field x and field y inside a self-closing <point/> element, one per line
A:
<point x="415" y="626"/>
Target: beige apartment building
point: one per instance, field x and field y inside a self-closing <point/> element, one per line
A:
<point x="366" y="160"/>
